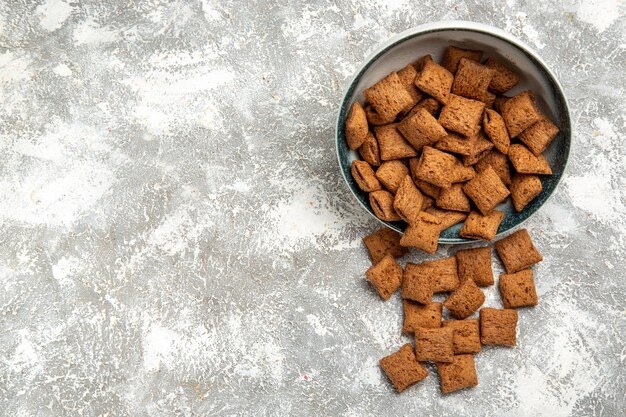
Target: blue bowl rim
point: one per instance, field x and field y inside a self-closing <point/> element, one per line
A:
<point x="469" y="27"/>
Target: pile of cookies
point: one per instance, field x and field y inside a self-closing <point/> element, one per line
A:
<point x="440" y="144"/>
<point x="451" y="344"/>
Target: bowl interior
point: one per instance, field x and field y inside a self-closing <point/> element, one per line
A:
<point x="533" y="76"/>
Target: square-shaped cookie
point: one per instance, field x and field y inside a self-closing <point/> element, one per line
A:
<point x="465" y="300"/>
<point x="402" y="369"/>
<point x="472" y="80"/>
<point x="434" y="344"/>
<point x="517" y="251"/>
<point x="479" y="226"/>
<point x="444" y="274"/>
<point x="466" y="335"/>
<point x="520" y="112"/>
<point x="539" y="136"/>
<point x="455" y="143"/>
<point x="480" y="148"/>
<point x="458" y="374"/>
<point x="381" y="202"/>
<point x="486" y="190"/>
<point x="453" y="56"/>
<point x="462" y="115"/>
<point x="434" y="80"/>
<point x="407" y="78"/>
<point x="525" y="162"/>
<point x="385" y="276"/>
<point x="498" y="327"/>
<point x="499" y="162"/>
<point x="504" y="77"/>
<point x="391" y="174"/>
<point x="375" y="119"/>
<point x="440" y="168"/>
<point x="447" y="218"/>
<point x="518" y="289"/>
<point x="453" y="198"/>
<point x="369" y="150"/>
<point x="356" y="126"/>
<point x="364" y="176"/>
<point x="475" y="264"/>
<point x="423" y="234"/>
<point x="383" y="242"/>
<point x="420" y="315"/>
<point x="392" y="144"/>
<point x="421" y="129"/>
<point x="524" y="188"/>
<point x="494" y="127"/>
<point x="408" y="201"/>
<point x="417" y="283"/>
<point x="389" y="97"/>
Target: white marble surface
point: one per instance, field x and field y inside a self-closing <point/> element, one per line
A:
<point x="177" y="239"/>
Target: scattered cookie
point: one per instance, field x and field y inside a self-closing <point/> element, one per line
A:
<point x="525" y="162"/>
<point x="475" y="264"/>
<point x="356" y="126"/>
<point x="408" y="201"/>
<point x="479" y="226"/>
<point x="517" y="251"/>
<point x="465" y="337"/>
<point x="434" y="344"/>
<point x="465" y="300"/>
<point x="486" y="190"/>
<point x="518" y="289"/>
<point x="458" y="374"/>
<point x="444" y="274"/>
<point x="524" y="188"/>
<point x="382" y="205"/>
<point x="385" y="276"/>
<point x="384" y="242"/>
<point x="498" y="327"/>
<point x="402" y="368"/>
<point x="417" y="283"/>
<point x="391" y="144"/>
<point x="423" y="234"/>
<point x="364" y="176"/>
<point x="420" y="315"/>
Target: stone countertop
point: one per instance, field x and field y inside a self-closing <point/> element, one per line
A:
<point x="177" y="239"/>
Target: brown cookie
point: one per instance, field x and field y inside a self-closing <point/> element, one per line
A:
<point x="364" y="176"/>
<point x="392" y="144"/>
<point x="421" y="129"/>
<point x="382" y="204"/>
<point x="402" y="368"/>
<point x="478" y="226"/>
<point x="517" y="251"/>
<point x="499" y="162"/>
<point x="475" y="264"/>
<point x="356" y="126"/>
<point x="423" y="234"/>
<point x="453" y="56"/>
<point x="520" y="112"/>
<point x="462" y="115"/>
<point x="434" y="344"/>
<point x="453" y="198"/>
<point x="458" y="374"/>
<point x="498" y="327"/>
<point x="525" y="162"/>
<point x="434" y="80"/>
<point x="486" y="190"/>
<point x="481" y="147"/>
<point x="494" y="127"/>
<point x="391" y="174"/>
<point x="417" y="283"/>
<point x="472" y="81"/>
<point x="408" y="201"/>
<point x="389" y="97"/>
<point x="420" y="315"/>
<point x="384" y="242"/>
<point x="539" y="136"/>
<point x="447" y="218"/>
<point x="444" y="274"/>
<point x="465" y="300"/>
<point x="385" y="276"/>
<point x="518" y="289"/>
<point x="369" y="151"/>
<point x="504" y="77"/>
<point x="440" y="168"/>
<point x="524" y="188"/>
<point x="466" y="335"/>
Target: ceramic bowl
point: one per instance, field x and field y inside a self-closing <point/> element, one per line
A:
<point x="433" y="38"/>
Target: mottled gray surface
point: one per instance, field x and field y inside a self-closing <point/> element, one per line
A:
<point x="177" y="239"/>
